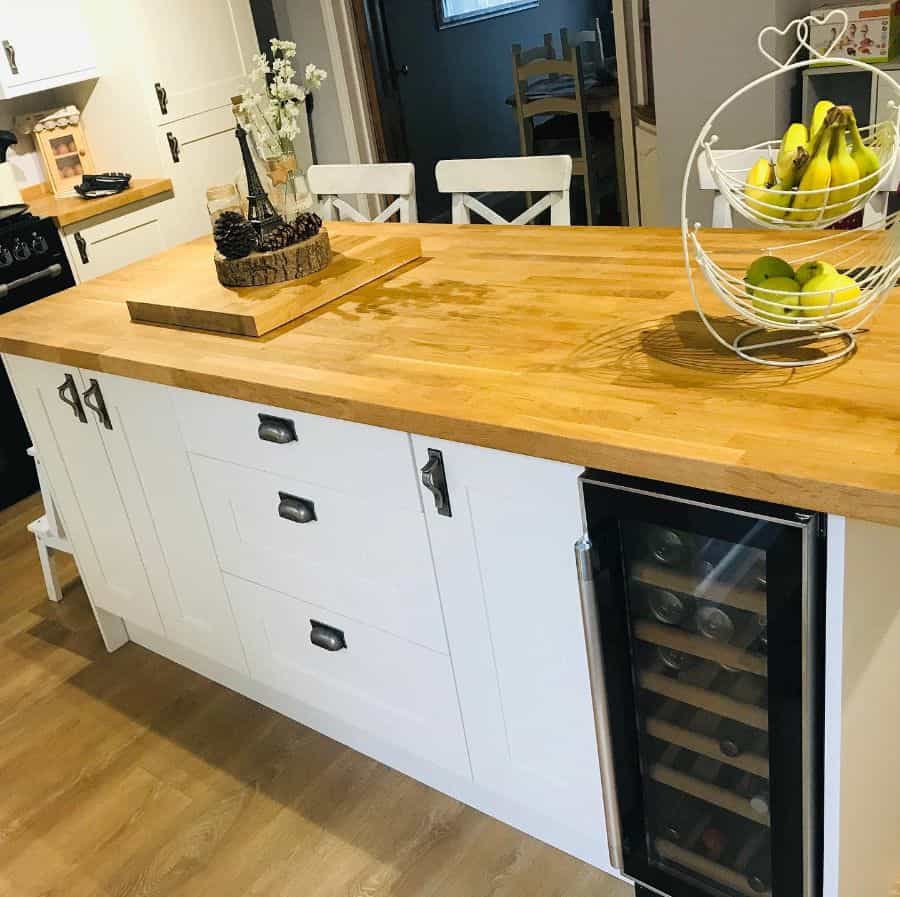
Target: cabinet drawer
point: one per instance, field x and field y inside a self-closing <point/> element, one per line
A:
<point x="354" y="458"/>
<point x="397" y="691"/>
<point x="362" y="558"/>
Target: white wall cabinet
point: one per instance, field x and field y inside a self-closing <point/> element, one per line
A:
<point x="119" y="240"/>
<point x="506" y="575"/>
<point x="43" y="44"/>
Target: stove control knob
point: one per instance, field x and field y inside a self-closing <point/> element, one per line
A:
<point x="38" y="244"/>
<point x="20" y="249"/>
<point x="6" y="258"/>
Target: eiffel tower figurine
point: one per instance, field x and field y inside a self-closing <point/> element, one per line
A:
<point x="260" y="211"/>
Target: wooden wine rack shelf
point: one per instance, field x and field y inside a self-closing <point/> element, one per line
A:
<point x="703" y="744"/>
<point x="688" y="643"/>
<point x="711" y="794"/>
<point x="756" y="717"/>
<point x="707" y="868"/>
<point x="721" y="593"/>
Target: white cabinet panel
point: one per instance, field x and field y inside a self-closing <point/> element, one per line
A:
<point x="197" y="52"/>
<point x="123" y="239"/>
<point x="152" y="468"/>
<point x="207" y="153"/>
<point x="87" y="493"/>
<point x="398" y="692"/>
<point x="509" y="590"/>
<point x="364" y="559"/>
<point x="45" y="44"/>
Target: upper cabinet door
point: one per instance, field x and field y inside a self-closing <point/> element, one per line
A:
<point x="85" y="489"/>
<point x="196" y="52"/>
<point x="144" y="445"/>
<point x="505" y="565"/>
<point x="43" y="44"/>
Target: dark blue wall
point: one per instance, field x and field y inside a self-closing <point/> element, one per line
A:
<point x="459" y="79"/>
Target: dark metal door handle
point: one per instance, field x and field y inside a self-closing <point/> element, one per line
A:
<point x="296" y="509"/>
<point x="276" y="429"/>
<point x="10" y="51"/>
<point x="81" y="243"/>
<point x="174" y="148"/>
<point x="68" y="393"/>
<point x="434" y="480"/>
<point x="327" y="637"/>
<point x="162" y="98"/>
<point x="93" y="398"/>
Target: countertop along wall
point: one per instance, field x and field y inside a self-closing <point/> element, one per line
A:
<point x="703" y="51"/>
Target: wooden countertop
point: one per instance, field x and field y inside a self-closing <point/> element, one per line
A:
<point x="576" y="344"/>
<point x="73" y="209"/>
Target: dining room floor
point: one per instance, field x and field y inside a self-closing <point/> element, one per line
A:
<point x="124" y="774"/>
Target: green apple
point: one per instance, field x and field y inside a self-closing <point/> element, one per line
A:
<point x="778" y="300"/>
<point x="817" y="294"/>
<point x="808" y="270"/>
<point x="767" y="266"/>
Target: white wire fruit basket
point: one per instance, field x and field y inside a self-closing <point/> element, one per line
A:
<point x="869" y="255"/>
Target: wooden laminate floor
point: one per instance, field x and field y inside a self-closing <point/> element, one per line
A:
<point x="124" y="774"/>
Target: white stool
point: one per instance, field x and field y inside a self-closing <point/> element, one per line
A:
<point x="49" y="534"/>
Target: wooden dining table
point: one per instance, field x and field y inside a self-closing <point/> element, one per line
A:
<point x="599" y="96"/>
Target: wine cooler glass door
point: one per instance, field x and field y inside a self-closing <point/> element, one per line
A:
<point x="703" y="639"/>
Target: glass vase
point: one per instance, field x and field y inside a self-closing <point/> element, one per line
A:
<point x="287" y="187"/>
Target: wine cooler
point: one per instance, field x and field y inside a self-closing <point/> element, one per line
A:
<point x="704" y="620"/>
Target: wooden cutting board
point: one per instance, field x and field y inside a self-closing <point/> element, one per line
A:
<point x="202" y="303"/>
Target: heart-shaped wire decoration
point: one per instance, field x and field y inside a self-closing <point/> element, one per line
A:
<point x="803" y="28"/>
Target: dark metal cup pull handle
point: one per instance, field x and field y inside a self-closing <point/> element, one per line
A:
<point x="68" y="393"/>
<point x="327" y="637"/>
<point x="10" y="51"/>
<point x="174" y="147"/>
<point x="93" y="398"/>
<point x="296" y="509"/>
<point x="276" y="429"/>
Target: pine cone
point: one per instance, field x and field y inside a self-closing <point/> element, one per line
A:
<point x="307" y="225"/>
<point x="279" y="237"/>
<point x="234" y="235"/>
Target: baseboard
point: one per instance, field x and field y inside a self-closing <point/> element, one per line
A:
<point x="584" y="846"/>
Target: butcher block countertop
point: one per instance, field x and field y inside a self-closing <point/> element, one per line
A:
<point x="574" y="344"/>
<point x="66" y="210"/>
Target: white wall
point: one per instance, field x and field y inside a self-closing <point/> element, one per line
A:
<point x="703" y="51"/>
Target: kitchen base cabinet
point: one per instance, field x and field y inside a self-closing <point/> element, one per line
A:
<point x="84" y="488"/>
<point x="503" y="553"/>
<point x="395" y="690"/>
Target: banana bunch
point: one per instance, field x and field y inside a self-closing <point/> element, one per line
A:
<point x="817" y="174"/>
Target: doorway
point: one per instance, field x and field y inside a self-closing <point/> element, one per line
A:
<point x="440" y="81"/>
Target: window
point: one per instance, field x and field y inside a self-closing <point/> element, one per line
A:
<point x="460" y="12"/>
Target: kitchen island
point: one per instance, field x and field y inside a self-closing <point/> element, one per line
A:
<point x="514" y="357"/>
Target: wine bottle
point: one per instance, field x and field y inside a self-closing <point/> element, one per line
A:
<point x="714" y="623"/>
<point x="754" y="862"/>
<point x="668" y="547"/>
<point x="666" y="606"/>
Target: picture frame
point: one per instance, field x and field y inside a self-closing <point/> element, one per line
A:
<point x="453" y="13"/>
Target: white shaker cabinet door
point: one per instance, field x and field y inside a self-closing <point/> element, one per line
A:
<point x="85" y="489"/>
<point x="505" y="565"/>
<point x="147" y="453"/>
<point x="197" y="52"/>
<point x="199" y="151"/>
<point x="43" y="44"/>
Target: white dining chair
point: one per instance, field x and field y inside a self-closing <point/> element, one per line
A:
<point x="551" y="175"/>
<point x="332" y="182"/>
<point x="875" y="210"/>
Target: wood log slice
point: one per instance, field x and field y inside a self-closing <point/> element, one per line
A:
<point x="290" y="263"/>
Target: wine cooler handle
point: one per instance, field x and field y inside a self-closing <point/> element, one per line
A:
<point x="591" y="616"/>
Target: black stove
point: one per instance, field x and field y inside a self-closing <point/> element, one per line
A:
<point x="33" y="265"/>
